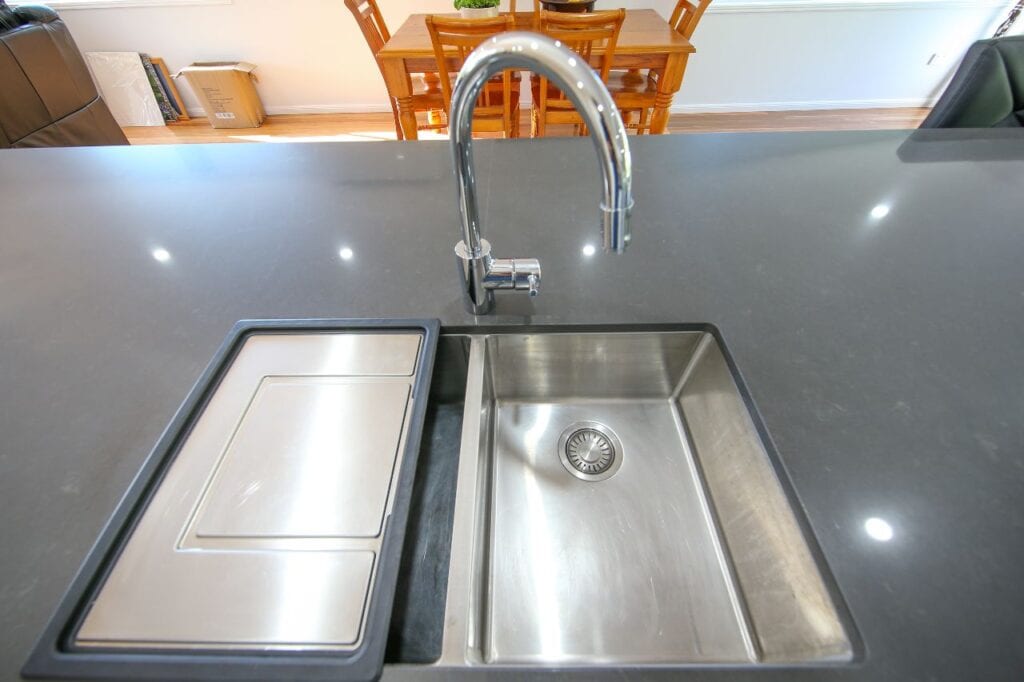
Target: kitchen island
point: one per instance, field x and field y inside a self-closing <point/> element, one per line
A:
<point x="869" y="287"/>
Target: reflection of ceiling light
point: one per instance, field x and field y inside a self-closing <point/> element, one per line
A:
<point x="880" y="211"/>
<point x="346" y="253"/>
<point x="161" y="255"/>
<point x="878" y="529"/>
<point x="589" y="250"/>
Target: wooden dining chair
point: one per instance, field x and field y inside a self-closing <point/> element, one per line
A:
<point x="497" y="108"/>
<point x="427" y="97"/>
<point x="636" y="92"/>
<point x="579" y="33"/>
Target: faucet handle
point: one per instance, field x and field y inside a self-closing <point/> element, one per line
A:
<point x="527" y="275"/>
<point x="521" y="274"/>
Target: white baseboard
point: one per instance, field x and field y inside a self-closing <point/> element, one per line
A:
<point x="363" y="108"/>
<point x="755" y="6"/>
<point x="725" y="108"/>
<point x="357" y="108"/>
<point x="738" y="107"/>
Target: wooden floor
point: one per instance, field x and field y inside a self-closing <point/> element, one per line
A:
<point x="366" y="127"/>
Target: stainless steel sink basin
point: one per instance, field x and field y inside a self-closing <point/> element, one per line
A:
<point x="616" y="505"/>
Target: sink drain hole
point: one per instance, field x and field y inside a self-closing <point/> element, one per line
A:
<point x="590" y="451"/>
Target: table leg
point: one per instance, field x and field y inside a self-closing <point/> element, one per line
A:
<point x="396" y="78"/>
<point x="668" y="85"/>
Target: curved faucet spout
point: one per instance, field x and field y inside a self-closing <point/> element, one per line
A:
<point x="572" y="75"/>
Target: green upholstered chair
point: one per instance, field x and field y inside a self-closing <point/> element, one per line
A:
<point x="987" y="90"/>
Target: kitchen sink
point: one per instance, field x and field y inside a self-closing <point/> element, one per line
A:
<point x="617" y="505"/>
<point x="573" y="498"/>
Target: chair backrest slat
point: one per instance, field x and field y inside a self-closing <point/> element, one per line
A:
<point x="371" y="23"/>
<point x="512" y="6"/>
<point x="687" y="15"/>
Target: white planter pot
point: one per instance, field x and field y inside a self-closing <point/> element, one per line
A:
<point x="478" y="12"/>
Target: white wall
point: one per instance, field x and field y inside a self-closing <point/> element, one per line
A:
<point x="830" y="59"/>
<point x="783" y="55"/>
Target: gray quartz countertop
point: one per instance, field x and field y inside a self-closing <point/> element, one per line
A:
<point x="869" y="287"/>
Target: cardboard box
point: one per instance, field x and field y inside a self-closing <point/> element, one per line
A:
<point x="227" y="93"/>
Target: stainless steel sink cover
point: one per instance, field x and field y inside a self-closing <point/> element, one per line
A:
<point x="684" y="550"/>
<point x="266" y="530"/>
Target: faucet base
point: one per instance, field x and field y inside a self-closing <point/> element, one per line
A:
<point x="473" y="270"/>
<point x="482" y="274"/>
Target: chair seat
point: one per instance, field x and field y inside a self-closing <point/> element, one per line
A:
<point x="632" y="90"/>
<point x="636" y="94"/>
<point x="629" y="90"/>
<point x="556" y="100"/>
<point x="426" y="91"/>
<point x="632" y="82"/>
<point x="490" y="118"/>
<point x="497" y="104"/>
<point x="497" y="99"/>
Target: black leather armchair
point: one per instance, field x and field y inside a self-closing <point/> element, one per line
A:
<point x="47" y="96"/>
<point x="987" y="90"/>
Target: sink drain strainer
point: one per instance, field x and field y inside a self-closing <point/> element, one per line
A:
<point x="590" y="451"/>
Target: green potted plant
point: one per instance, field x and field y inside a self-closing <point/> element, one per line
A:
<point x="477" y="9"/>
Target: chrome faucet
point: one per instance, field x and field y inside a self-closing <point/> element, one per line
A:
<point x="481" y="272"/>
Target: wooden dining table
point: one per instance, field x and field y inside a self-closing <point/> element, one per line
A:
<point x="646" y="41"/>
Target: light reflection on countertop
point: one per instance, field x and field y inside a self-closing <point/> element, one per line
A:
<point x="878" y="529"/>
